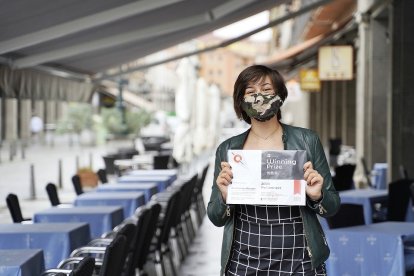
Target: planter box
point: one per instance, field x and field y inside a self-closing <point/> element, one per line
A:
<point x="88" y="179"/>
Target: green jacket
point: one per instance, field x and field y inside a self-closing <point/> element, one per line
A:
<point x="294" y="138"/>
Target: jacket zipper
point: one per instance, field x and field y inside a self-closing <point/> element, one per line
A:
<point x="306" y="235"/>
<point x="228" y="257"/>
<point x="227" y="212"/>
<point x="321" y="209"/>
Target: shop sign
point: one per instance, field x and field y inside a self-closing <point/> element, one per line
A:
<point x="335" y="63"/>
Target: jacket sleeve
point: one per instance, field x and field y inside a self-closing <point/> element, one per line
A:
<point x="217" y="208"/>
<point x="330" y="202"/>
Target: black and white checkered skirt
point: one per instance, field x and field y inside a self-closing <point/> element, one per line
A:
<point x="269" y="240"/>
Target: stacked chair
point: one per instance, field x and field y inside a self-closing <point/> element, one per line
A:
<point x="84" y="268"/>
<point x="182" y="212"/>
<point x="109" y="261"/>
<point x="197" y="200"/>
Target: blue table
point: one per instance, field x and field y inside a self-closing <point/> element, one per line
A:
<point x="149" y="188"/>
<point x="129" y="201"/>
<point x="365" y="197"/>
<point x="101" y="219"/>
<point x="171" y="172"/>
<point x="163" y="181"/>
<point x="21" y="262"/>
<point x="57" y="240"/>
<point x="374" y="249"/>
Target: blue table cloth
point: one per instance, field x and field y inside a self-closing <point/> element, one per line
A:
<point x="57" y="240"/>
<point x="149" y="188"/>
<point x="163" y="181"/>
<point x="171" y="172"/>
<point x="379" y="175"/>
<point x="129" y="201"/>
<point x="101" y="219"/>
<point x="374" y="249"/>
<point x="21" y="262"/>
<point x="365" y="197"/>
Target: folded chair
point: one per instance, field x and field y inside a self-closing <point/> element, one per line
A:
<point x="113" y="259"/>
<point x="161" y="248"/>
<point x="84" y="268"/>
<point x="130" y="231"/>
<point x="198" y="204"/>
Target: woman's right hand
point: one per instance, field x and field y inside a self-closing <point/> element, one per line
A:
<point x="224" y="179"/>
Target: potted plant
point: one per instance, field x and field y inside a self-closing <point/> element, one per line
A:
<point x="88" y="177"/>
<point x="134" y="121"/>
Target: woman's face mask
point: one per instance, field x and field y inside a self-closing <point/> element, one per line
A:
<point x="261" y="106"/>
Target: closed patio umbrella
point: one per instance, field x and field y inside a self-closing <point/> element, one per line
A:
<point x="183" y="144"/>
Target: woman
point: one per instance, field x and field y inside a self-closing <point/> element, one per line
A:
<point x="271" y="239"/>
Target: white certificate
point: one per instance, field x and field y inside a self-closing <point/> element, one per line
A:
<point x="267" y="177"/>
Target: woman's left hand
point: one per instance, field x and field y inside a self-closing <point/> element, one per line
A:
<point x="314" y="181"/>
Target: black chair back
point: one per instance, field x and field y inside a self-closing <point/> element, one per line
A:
<point x="189" y="188"/>
<point x="128" y="230"/>
<point x="144" y="241"/>
<point x="398" y="198"/>
<point x="14" y="208"/>
<point x="52" y="194"/>
<point x="102" y="176"/>
<point x="200" y="183"/>
<point x="77" y="184"/>
<point x="335" y="146"/>
<point x="85" y="267"/>
<point x="348" y="215"/>
<point x="343" y="179"/>
<point x="135" y="249"/>
<point x="161" y="162"/>
<point x="170" y="218"/>
<point x="114" y="258"/>
<point x="109" y="161"/>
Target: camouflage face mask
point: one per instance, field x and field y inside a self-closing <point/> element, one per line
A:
<point x="260" y="106"/>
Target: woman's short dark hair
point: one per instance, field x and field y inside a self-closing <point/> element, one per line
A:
<point x="253" y="74"/>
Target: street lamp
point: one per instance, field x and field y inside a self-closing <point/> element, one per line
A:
<point x="120" y="103"/>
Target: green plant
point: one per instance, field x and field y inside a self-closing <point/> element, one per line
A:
<point x="134" y="121"/>
<point x="85" y="170"/>
<point x="77" y="118"/>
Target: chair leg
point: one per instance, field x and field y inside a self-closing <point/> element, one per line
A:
<point x="176" y="248"/>
<point x="173" y="268"/>
<point x="195" y="214"/>
<point x="202" y="208"/>
<point x="184" y="235"/>
<point x="190" y="224"/>
<point x="159" y="265"/>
